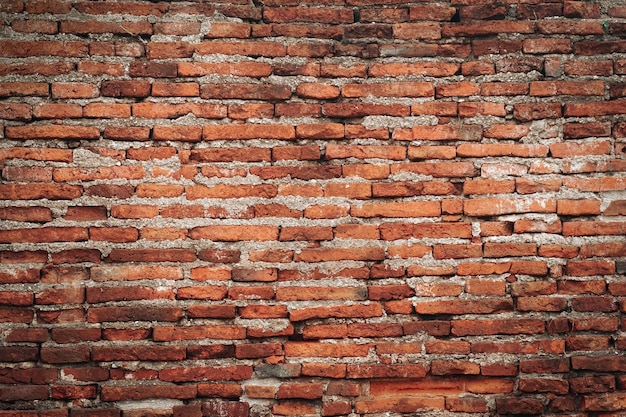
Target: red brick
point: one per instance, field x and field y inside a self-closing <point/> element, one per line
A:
<point x="43" y="48"/>
<point x="485" y="306"/>
<point x="529" y="186"/>
<point x="594" y="303"/>
<point x="220" y="390"/>
<point x="337" y="254"/>
<point x="102" y="173"/>
<point x="73" y="90"/>
<point x="477" y="68"/>
<point x="326" y="331"/>
<point x="570" y="28"/>
<point x="552" y="88"/>
<point x="519" y="406"/>
<point x="307" y="391"/>
<point x="596" y="108"/>
<point x="111" y="314"/>
<point x="599" y="363"/>
<point x="445" y="347"/>
<point x="481" y="186"/>
<point x="547" y="46"/>
<point x="222" y="132"/>
<point x="440" y="367"/>
<point x="198" y="332"/>
<point x="216" y="373"/>
<point x="394" y="231"/>
<point x="384" y="15"/>
<point x="125" y="88"/>
<point x="472" y="109"/>
<point x="138" y="272"/>
<point x="305" y="233"/>
<point x="235" y="233"/>
<point x="103" y="294"/>
<point x="501" y="250"/>
<point x="435" y="108"/>
<point x="432" y="12"/>
<point x="314" y="293"/>
<point x="245" y="69"/>
<point x="29" y="214"/>
<point x="457" y="251"/>
<point x="437" y="169"/>
<point x="356" y="310"/>
<point x="391" y="404"/>
<point x="386" y="371"/>
<point x="486" y="28"/>
<point x="504" y="89"/>
<point x="583" y="130"/>
<point x="367" y="171"/>
<point x="294" y="408"/>
<point x="142" y="392"/>
<point x="408" y="209"/>
<point x="229" y="191"/>
<point x="590" y="268"/>
<point x="436" y="69"/>
<point x="229" y="30"/>
<point x="52" y="132"/>
<point x="320" y="131"/>
<point x="87" y="27"/>
<point x="492" y="206"/>
<point x="310" y="15"/>
<point x="177" y="28"/>
<point x="162" y="89"/>
<point x="492" y="327"/>
<point x="44" y="234"/>
<point x="260" y="391"/>
<point x="532" y="111"/>
<point x="416" y="89"/>
<point x="38" y="154"/>
<point x="13" y="89"/>
<point x="10" y="111"/>
<point x="317" y="91"/>
<point x="304" y="153"/>
<point x="600" y="68"/>
<point x="349" y="231"/>
<point x="61" y="296"/>
<point x="70" y="354"/>
<point x="130" y="49"/>
<point x="573" y="149"/>
<point x="352" y="110"/>
<point x="421" y="30"/>
<point x="608" y="249"/>
<point x="29" y="335"/>
<point x="447" y="132"/>
<point x="136" y="9"/>
<point x="268" y="92"/>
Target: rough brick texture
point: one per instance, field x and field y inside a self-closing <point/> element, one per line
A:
<point x="325" y="208"/>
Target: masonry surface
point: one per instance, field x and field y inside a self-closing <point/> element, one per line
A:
<point x="312" y="208"/>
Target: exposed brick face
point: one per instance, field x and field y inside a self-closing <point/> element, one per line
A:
<point x="297" y="208"/>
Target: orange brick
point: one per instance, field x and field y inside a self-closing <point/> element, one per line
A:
<point x="406" y="89"/>
<point x="229" y="30"/>
<point x="317" y="91"/>
<point x="234" y="233"/>
<point x="408" y="209"/>
<point x="222" y="132"/>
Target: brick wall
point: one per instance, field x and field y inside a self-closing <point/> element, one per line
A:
<point x="359" y="207"/>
